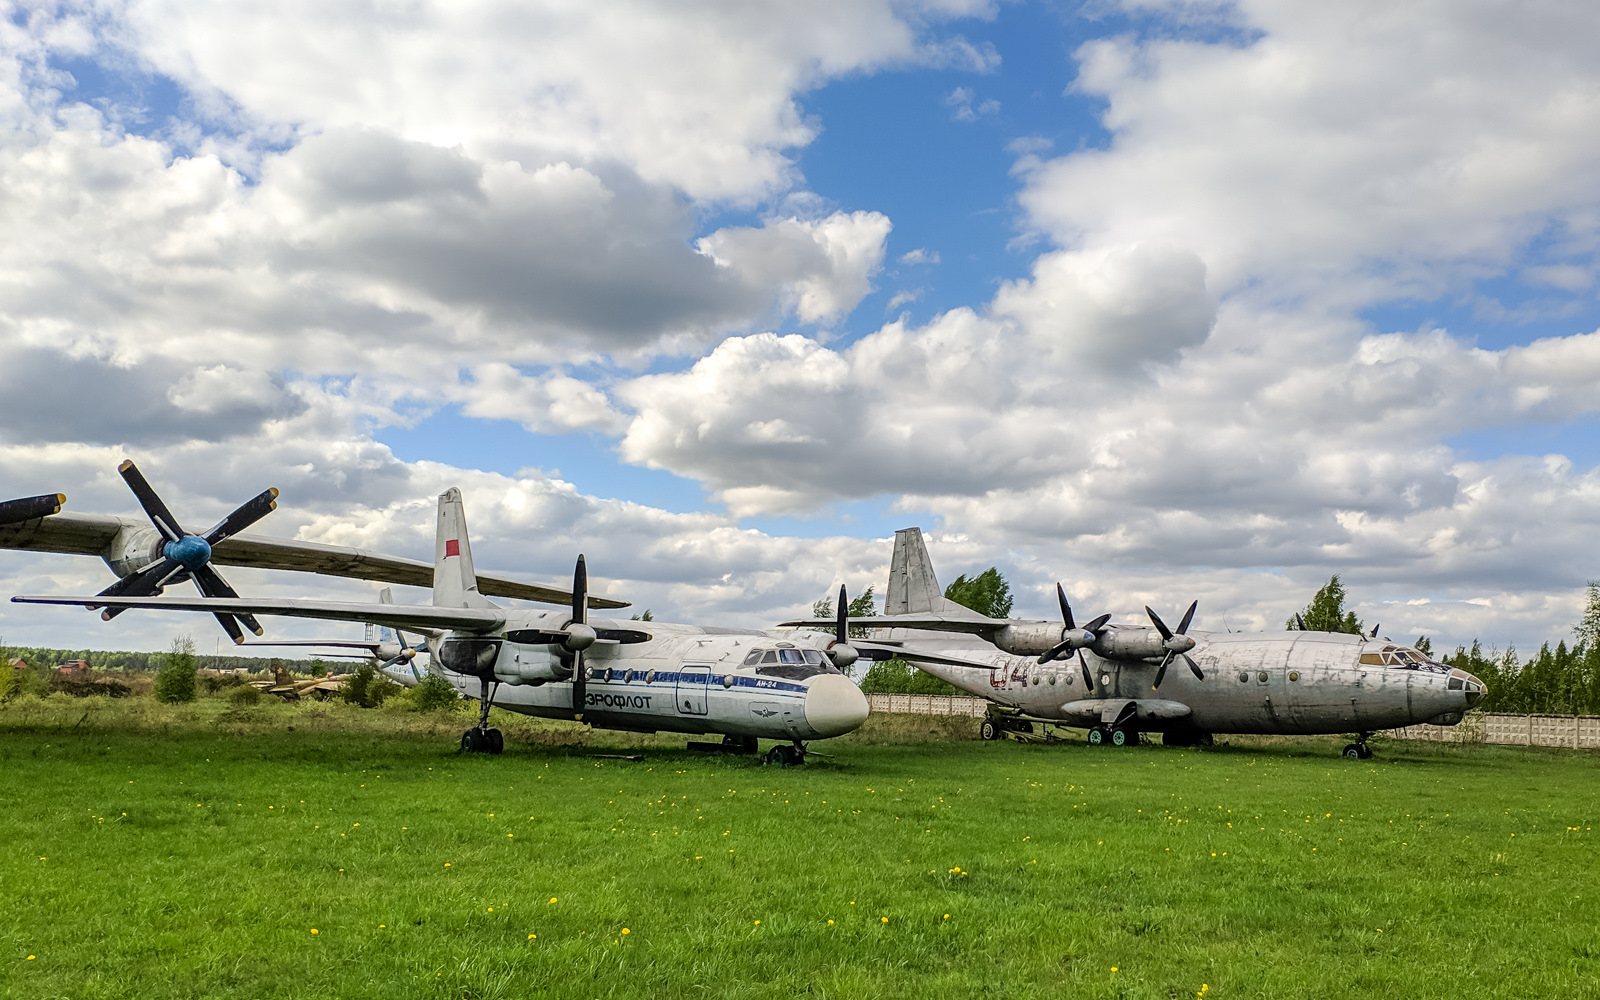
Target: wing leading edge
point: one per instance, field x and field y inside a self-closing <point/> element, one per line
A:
<point x="415" y="618"/>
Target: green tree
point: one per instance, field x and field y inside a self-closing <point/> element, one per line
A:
<point x="646" y="617"/>
<point x="988" y="593"/>
<point x="1423" y="645"/>
<point x="1326" y="611"/>
<point x="175" y="678"/>
<point x="366" y="687"/>
<point x="1588" y="627"/>
<point x="898" y="677"/>
<point x="863" y="605"/>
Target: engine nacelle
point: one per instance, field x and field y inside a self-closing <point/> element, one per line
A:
<point x="132" y="549"/>
<point x="1129" y="644"/>
<point x="1029" y="639"/>
<point x="524" y="665"/>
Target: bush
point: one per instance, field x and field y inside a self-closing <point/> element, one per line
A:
<point x="244" y="695"/>
<point x="366" y="687"/>
<point x="175" y="680"/>
<point x="434" y="694"/>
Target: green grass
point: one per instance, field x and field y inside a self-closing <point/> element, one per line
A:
<point x="189" y="852"/>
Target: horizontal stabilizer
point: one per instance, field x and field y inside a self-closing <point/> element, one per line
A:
<point x="414" y="618"/>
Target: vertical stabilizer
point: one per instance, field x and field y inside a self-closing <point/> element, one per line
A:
<point x="913" y="589"/>
<point x="455" y="582"/>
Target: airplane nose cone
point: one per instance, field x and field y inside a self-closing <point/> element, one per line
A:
<point x="834" y="705"/>
<point x="1476" y="690"/>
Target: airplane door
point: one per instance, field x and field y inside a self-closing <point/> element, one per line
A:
<point x="692" y="682"/>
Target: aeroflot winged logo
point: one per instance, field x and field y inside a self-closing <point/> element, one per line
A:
<point x="452" y="547"/>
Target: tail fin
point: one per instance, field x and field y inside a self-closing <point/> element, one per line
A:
<point x="455" y="582"/>
<point x="913" y="589"/>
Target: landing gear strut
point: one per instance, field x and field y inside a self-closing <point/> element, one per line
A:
<point x="739" y="744"/>
<point x="480" y="738"/>
<point x="1359" y="749"/>
<point x="783" y="756"/>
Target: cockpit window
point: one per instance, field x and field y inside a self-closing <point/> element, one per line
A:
<point x="754" y="656"/>
<point x="770" y="656"/>
<point x="797" y="669"/>
<point x="1404" y="657"/>
<point x="790" y="656"/>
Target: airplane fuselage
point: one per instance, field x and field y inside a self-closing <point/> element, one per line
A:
<point x="685" y="679"/>
<point x="1283" y="683"/>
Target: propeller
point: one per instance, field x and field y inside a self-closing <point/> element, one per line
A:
<point x="840" y="651"/>
<point x="1176" y="644"/>
<point x="407" y="655"/>
<point x="579" y="636"/>
<point x="28" y="508"/>
<point x="184" y="554"/>
<point x="1075" y="641"/>
<point x="1300" y="622"/>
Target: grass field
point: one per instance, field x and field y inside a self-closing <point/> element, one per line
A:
<point x="322" y="851"/>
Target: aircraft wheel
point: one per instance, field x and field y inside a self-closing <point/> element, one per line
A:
<point x="740" y="744"/>
<point x="496" y="741"/>
<point x="783" y="756"/>
<point x="988" y="730"/>
<point x="1364" y="751"/>
<point x="1097" y="736"/>
<point x="1119" y="737"/>
<point x="469" y="741"/>
<point x="1353" y="751"/>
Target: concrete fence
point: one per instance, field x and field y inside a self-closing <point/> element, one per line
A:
<point x="1576" y="731"/>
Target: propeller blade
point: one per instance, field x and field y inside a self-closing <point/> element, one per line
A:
<point x="1097" y="624"/>
<point x="1194" y="667"/>
<point x="842" y="621"/>
<point x="29" y="508"/>
<point x="1161" y="672"/>
<point x="231" y="626"/>
<point x="212" y="584"/>
<point x="580" y="684"/>
<point x="1188" y="616"/>
<point x="152" y="504"/>
<point x="1088" y="678"/>
<point x="144" y="583"/>
<point x="1055" y="651"/>
<point x="580" y="591"/>
<point x="248" y="513"/>
<point x="1066" y="609"/>
<point x="1300" y="622"/>
<point x="1161" y="626"/>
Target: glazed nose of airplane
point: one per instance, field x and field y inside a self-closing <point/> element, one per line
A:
<point x="834" y="705"/>
<point x="1476" y="690"/>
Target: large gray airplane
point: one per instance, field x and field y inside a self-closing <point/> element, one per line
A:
<point x="1114" y="680"/>
<point x="148" y="557"/>
<point x="744" y="684"/>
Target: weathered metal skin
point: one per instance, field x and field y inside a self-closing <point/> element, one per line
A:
<point x="1288" y="683"/>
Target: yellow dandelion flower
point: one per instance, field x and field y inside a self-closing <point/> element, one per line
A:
<point x="532" y="936"/>
<point x="830" y="923"/>
<point x="30" y="957"/>
<point x="626" y="931"/>
<point x="446" y="864"/>
<point x="315" y="931"/>
<point x="758" y="923"/>
<point x="1113" y="968"/>
<point x="883" y="919"/>
<point x="552" y="899"/>
<point x="947" y="916"/>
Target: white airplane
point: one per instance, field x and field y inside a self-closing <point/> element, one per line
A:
<point x="1274" y="682"/>
<point x="147" y="558"/>
<point x="696" y="679"/>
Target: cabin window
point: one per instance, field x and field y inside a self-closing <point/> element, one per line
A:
<point x="727" y="680"/>
<point x="1243" y="677"/>
<point x="1294" y="675"/>
<point x="1372" y="659"/>
<point x="1454" y="684"/>
<point x="1261" y="676"/>
<point x="649" y="676"/>
<point x="1052" y="678"/>
<point x="752" y="658"/>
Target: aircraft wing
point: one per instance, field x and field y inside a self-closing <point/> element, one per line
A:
<point x="915" y="655"/>
<point x="91" y="534"/>
<point x="934" y="623"/>
<point x="411" y="617"/>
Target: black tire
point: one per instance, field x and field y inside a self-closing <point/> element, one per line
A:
<point x="1353" y="751"/>
<point x="1365" y="752"/>
<point x="470" y="741"/>
<point x="497" y="742"/>
<point x="1119" y="737"/>
<point x="779" y="756"/>
<point x="1097" y="736"/>
<point x="988" y="730"/>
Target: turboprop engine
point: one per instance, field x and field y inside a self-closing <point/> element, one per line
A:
<point x="1034" y="638"/>
<point x="133" y="549"/>
<point x="1136" y="643"/>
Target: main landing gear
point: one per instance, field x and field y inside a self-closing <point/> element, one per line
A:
<point x="1117" y="736"/>
<point x="782" y="756"/>
<point x="480" y="738"/>
<point x="996" y="727"/>
<point x="1359" y="749"/>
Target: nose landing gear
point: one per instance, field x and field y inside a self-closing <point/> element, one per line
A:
<point x="1359" y="749"/>
<point x="782" y="756"/>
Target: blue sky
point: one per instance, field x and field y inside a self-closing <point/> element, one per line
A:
<point x="1189" y="309"/>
